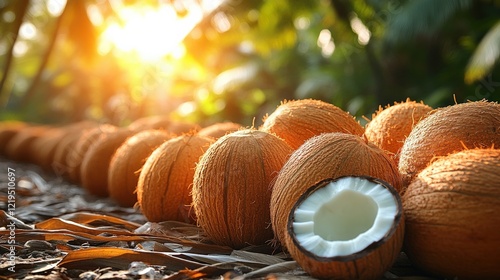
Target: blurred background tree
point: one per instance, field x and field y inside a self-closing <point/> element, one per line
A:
<point x="209" y="60"/>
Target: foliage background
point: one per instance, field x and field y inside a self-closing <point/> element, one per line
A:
<point x="244" y="57"/>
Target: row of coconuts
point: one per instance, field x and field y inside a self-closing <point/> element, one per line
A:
<point x="342" y="199"/>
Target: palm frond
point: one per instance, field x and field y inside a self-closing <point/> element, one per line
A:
<point x="421" y="17"/>
<point x="485" y="56"/>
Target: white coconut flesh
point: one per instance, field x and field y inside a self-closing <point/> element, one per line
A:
<point x="344" y="217"/>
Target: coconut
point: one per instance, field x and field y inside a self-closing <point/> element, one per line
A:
<point x="179" y="127"/>
<point x="329" y="155"/>
<point x="151" y="122"/>
<point x="20" y="146"/>
<point x="95" y="163"/>
<point x="452" y="218"/>
<point x="72" y="133"/>
<point x="232" y="187"/>
<point x="44" y="147"/>
<point x="218" y="130"/>
<point x="390" y="126"/>
<point x="75" y="155"/>
<point x="7" y="130"/>
<point x="296" y="121"/>
<point x="346" y="228"/>
<point x="165" y="181"/>
<point x="164" y="123"/>
<point x="448" y="130"/>
<point x="127" y="161"/>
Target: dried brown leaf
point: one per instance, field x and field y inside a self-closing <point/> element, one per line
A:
<point x="120" y="258"/>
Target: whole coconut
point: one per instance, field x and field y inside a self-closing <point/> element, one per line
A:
<point x="44" y="147"/>
<point x="165" y="181"/>
<point x="95" y="165"/>
<point x="448" y="130"/>
<point x="452" y="217"/>
<point x="7" y="130"/>
<point x="298" y="120"/>
<point x="151" y="122"/>
<point x="329" y="155"/>
<point x="164" y="123"/>
<point x="72" y="133"/>
<point x="218" y="130"/>
<point x="21" y="146"/>
<point x="232" y="187"/>
<point x="180" y="127"/>
<point x="127" y="162"/>
<point x="76" y="154"/>
<point x="390" y="126"/>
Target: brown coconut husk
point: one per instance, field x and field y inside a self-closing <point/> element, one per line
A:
<point x="151" y="122"/>
<point x="218" y="130"/>
<point x="391" y="125"/>
<point x="329" y="155"/>
<point x="45" y="146"/>
<point x="452" y="218"/>
<point x="75" y="155"/>
<point x="448" y="130"/>
<point x="127" y="162"/>
<point x="298" y="120"/>
<point x="232" y="187"/>
<point x="165" y="181"/>
<point x="20" y="147"/>
<point x="9" y="129"/>
<point x="95" y="165"/>
<point x="72" y="134"/>
<point x="164" y="123"/>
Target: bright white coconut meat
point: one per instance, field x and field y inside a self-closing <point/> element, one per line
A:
<point x="344" y="217"/>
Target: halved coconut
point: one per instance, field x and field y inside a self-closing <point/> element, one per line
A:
<point x="329" y="155"/>
<point x="346" y="228"/>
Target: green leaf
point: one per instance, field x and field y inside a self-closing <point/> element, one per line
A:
<point x="422" y="17"/>
<point x="485" y="55"/>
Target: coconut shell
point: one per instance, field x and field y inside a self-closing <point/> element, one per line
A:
<point x="127" y="162"/>
<point x="165" y="181"/>
<point x="95" y="164"/>
<point x="296" y="121"/>
<point x="370" y="263"/>
<point x="7" y="130"/>
<point x="329" y="155"/>
<point x="20" y="146"/>
<point x="232" y="187"/>
<point x="218" y="130"/>
<point x="75" y="156"/>
<point x="390" y="126"/>
<point x="448" y="130"/>
<point x="452" y="217"/>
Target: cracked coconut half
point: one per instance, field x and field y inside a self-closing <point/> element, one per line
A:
<point x="346" y="228"/>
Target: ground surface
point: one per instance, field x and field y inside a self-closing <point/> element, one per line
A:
<point x="61" y="232"/>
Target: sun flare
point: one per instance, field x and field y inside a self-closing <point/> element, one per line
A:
<point x="149" y="33"/>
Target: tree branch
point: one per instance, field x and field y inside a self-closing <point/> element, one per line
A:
<point x="20" y="9"/>
<point x="45" y="59"/>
